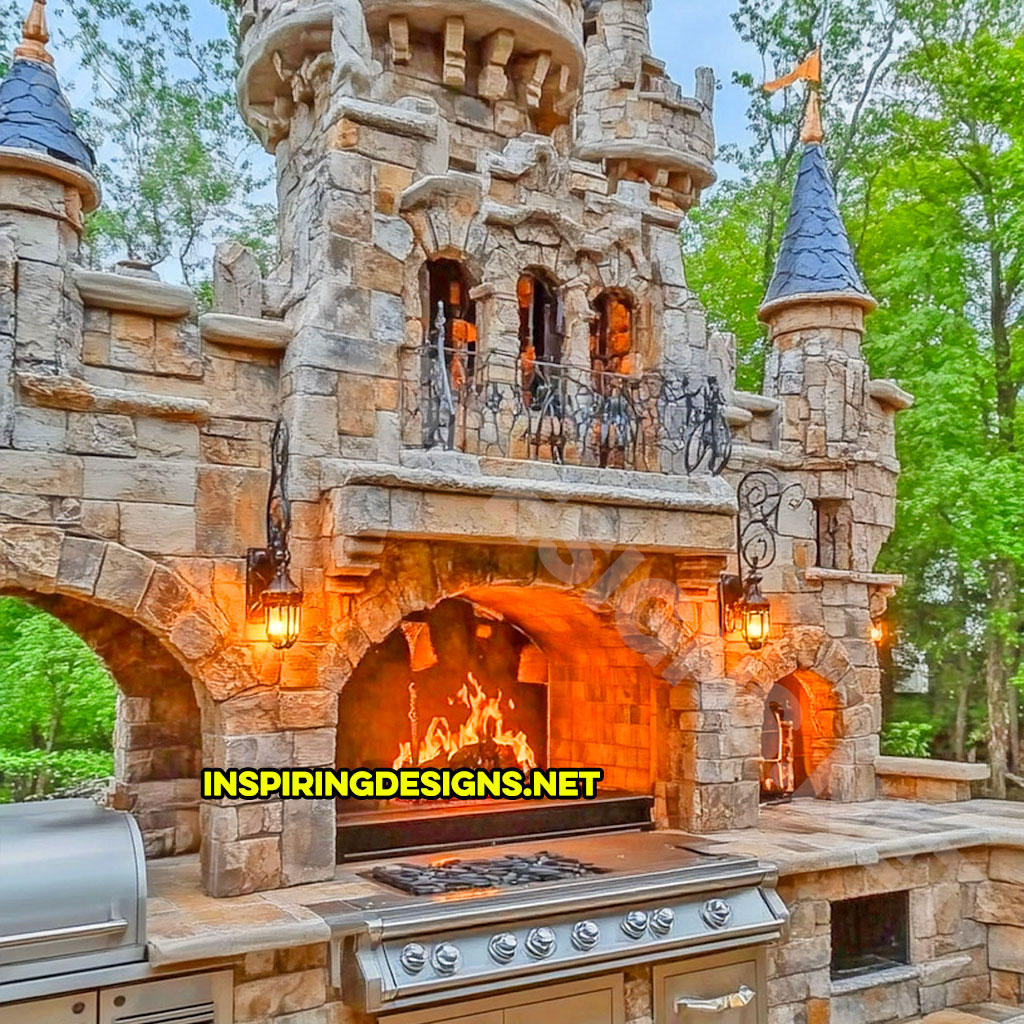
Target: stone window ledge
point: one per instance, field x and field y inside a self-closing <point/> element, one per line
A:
<point x="888" y="976"/>
<point x="813" y="574"/>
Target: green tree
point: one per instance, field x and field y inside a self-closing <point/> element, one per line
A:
<point x="178" y="166"/>
<point x="55" y="693"/>
<point x="944" y="249"/>
<point x="928" y="145"/>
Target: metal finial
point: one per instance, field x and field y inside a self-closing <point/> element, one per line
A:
<point x="34" y="35"/>
<point x="812" y="130"/>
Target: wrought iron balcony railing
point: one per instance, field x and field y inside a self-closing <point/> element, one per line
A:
<point x="516" y="408"/>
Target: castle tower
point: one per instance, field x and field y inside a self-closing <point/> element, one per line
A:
<point x="46" y="186"/>
<point x="428" y="158"/>
<point x="837" y="426"/>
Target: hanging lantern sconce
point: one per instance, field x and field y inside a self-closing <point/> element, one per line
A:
<point x="271" y="595"/>
<point x="742" y="607"/>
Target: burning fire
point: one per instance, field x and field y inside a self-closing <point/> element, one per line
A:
<point x="484" y="728"/>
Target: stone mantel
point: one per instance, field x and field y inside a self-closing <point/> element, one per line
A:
<point x="544" y="504"/>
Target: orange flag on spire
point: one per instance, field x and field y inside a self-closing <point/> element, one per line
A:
<point x="809" y="71"/>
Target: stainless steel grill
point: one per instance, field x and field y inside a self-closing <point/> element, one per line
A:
<point x="653" y="897"/>
<point x="72" y="889"/>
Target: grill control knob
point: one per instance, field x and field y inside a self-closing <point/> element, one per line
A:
<point x="634" y="924"/>
<point x="413" y="958"/>
<point x="662" y="920"/>
<point x="541" y="943"/>
<point x="503" y="947"/>
<point x="446" y="959"/>
<point x="585" y="935"/>
<point x="716" y="913"/>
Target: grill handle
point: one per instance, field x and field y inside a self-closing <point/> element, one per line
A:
<point x="78" y="931"/>
<point x="736" y="1001"/>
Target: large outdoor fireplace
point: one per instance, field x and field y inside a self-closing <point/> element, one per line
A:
<point x="462" y="686"/>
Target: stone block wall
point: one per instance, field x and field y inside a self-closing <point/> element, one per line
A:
<point x="965" y="940"/>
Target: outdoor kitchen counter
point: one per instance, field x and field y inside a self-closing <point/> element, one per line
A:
<point x="815" y="835"/>
<point x="185" y="925"/>
<point x="798" y="838"/>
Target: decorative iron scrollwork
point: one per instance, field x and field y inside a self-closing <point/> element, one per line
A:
<point x="518" y="407"/>
<point x="759" y="497"/>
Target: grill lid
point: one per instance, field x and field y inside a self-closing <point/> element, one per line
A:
<point x="72" y="889"/>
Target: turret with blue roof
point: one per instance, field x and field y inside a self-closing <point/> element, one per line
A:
<point x="815" y="261"/>
<point x="37" y="130"/>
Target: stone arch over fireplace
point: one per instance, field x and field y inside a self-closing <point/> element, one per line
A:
<point x="608" y="700"/>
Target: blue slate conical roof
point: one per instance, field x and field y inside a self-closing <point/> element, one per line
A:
<point x="34" y="114"/>
<point x="815" y="257"/>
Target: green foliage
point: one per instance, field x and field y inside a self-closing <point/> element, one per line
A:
<point x="180" y="167"/>
<point x="57" y="704"/>
<point x="908" y="739"/>
<point x="925" y="131"/>
<point x="34" y="773"/>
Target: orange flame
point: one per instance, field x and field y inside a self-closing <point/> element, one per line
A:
<point x="485" y="720"/>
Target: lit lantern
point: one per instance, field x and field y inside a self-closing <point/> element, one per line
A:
<point x="755" y="615"/>
<point x="270" y="592"/>
<point x="877" y="632"/>
<point x="282" y="606"/>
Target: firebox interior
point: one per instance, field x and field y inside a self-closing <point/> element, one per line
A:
<point x="450" y="689"/>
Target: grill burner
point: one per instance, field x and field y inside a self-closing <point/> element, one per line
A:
<point x="497" y="873"/>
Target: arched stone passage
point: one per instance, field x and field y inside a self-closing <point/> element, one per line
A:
<point x="187" y="623"/>
<point x="157" y="737"/>
<point x="841" y="699"/>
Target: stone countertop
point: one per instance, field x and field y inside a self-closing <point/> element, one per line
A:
<point x="185" y="925"/>
<point x="816" y="835"/>
<point x="807" y="835"/>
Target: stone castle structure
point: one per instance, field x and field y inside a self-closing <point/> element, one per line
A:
<point x="499" y="391"/>
<point x="497" y="386"/>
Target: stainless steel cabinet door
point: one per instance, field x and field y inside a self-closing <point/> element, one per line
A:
<point x="586" y="1008"/>
<point x="77" y="1009"/>
<point x="727" y="989"/>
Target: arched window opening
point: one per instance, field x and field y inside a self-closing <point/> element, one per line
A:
<point x="448" y="288"/>
<point x="57" y="708"/>
<point x="541" y="320"/>
<point x="612" y="334"/>
<point x="786" y="736"/>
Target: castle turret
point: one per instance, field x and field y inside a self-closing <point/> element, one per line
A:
<point x="836" y="429"/>
<point x="46" y="186"/>
<point x="635" y="118"/>
<point x="815" y="307"/>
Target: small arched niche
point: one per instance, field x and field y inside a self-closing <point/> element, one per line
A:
<point x="787" y="742"/>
